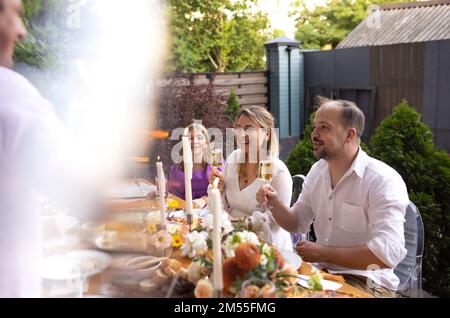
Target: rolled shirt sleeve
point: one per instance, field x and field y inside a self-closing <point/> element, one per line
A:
<point x="387" y="206"/>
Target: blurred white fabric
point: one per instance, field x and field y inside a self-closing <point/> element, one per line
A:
<point x="37" y="157"/>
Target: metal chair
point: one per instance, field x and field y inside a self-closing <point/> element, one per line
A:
<point x="297" y="183"/>
<point x="410" y="268"/>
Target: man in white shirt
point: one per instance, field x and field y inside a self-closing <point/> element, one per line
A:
<point x="37" y="156"/>
<point x="356" y="204"/>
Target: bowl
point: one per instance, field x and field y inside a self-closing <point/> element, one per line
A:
<point x="142" y="267"/>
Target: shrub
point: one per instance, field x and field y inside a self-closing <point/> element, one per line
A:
<point x="301" y="158"/>
<point x="232" y="108"/>
<point x="406" y="144"/>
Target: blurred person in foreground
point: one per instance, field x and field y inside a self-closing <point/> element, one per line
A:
<point x="35" y="150"/>
<point x="356" y="203"/>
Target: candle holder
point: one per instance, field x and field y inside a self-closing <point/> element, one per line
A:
<point x="190" y="220"/>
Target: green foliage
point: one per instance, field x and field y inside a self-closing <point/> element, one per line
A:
<point x="329" y="24"/>
<point x="33" y="50"/>
<point x="217" y="35"/>
<point x="406" y="144"/>
<point x="232" y="108"/>
<point x="42" y="18"/>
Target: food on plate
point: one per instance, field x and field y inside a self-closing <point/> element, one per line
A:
<point x="132" y="205"/>
<point x="336" y="278"/>
<point x="173" y="264"/>
<point x="183" y="273"/>
<point x="160" y="278"/>
<point x="315" y="281"/>
<point x="324" y="294"/>
<point x="111" y="240"/>
<point x="164" y="276"/>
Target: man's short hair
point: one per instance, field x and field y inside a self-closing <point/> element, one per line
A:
<point x="352" y="115"/>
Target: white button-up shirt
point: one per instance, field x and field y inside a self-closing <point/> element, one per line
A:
<point x="366" y="207"/>
<point x="33" y="147"/>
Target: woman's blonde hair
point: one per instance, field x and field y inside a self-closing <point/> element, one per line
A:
<point x="199" y="127"/>
<point x="265" y="120"/>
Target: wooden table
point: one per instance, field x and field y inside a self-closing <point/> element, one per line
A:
<point x="102" y="284"/>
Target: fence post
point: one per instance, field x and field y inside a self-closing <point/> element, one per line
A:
<point x="286" y="84"/>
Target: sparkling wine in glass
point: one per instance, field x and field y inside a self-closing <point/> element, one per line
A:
<point x="266" y="170"/>
<point x="216" y="158"/>
<point x="265" y="173"/>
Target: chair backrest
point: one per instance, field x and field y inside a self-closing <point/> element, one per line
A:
<point x="409" y="268"/>
<point x="297" y="184"/>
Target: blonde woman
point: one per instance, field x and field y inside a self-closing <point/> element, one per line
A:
<point x="200" y="145"/>
<point x="256" y="140"/>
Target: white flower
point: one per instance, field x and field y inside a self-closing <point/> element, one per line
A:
<point x="250" y="237"/>
<point x="227" y="227"/>
<point x="233" y="241"/>
<point x="194" y="244"/>
<point x="264" y="260"/>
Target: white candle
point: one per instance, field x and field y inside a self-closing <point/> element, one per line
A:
<point x="162" y="193"/>
<point x="216" y="207"/>
<point x="188" y="167"/>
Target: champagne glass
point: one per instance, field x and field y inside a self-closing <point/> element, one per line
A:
<point x="216" y="158"/>
<point x="265" y="173"/>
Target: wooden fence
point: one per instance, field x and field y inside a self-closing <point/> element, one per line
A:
<point x="251" y="87"/>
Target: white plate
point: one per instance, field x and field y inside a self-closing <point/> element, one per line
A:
<point x="327" y="284"/>
<point x="182" y="213"/>
<point x="75" y="264"/>
<point x="291" y="258"/>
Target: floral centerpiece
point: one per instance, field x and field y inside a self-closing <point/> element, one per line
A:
<point x="251" y="268"/>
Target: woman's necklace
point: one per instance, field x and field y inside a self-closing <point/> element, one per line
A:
<point x="245" y="177"/>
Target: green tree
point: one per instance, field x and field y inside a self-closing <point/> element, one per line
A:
<point x="217" y="35"/>
<point x="327" y="25"/>
<point x="301" y="158"/>
<point x="232" y="107"/>
<point x="42" y="18"/>
<point x="406" y="144"/>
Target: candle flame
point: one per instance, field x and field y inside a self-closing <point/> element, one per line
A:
<point x="216" y="183"/>
<point x="159" y="158"/>
<point x="139" y="159"/>
<point x="158" y="134"/>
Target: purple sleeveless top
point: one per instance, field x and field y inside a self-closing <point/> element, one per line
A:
<point x="200" y="181"/>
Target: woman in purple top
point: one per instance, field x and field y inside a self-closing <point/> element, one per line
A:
<point x="201" y="149"/>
